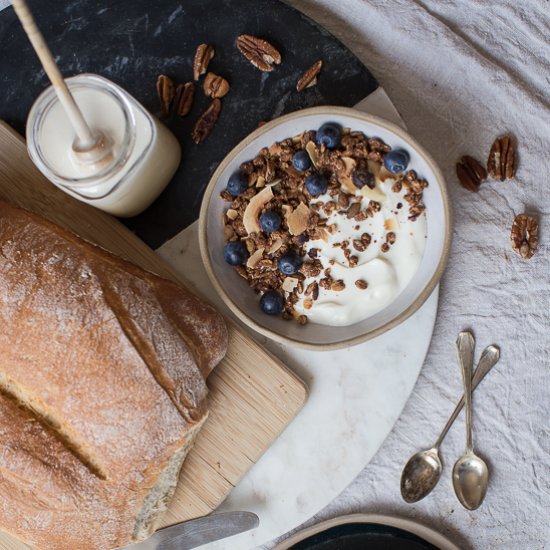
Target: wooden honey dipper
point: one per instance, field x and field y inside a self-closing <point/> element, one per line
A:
<point x="90" y="148"/>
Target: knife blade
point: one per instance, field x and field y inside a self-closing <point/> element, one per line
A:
<point x="196" y="532"/>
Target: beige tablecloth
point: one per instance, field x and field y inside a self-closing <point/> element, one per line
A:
<point x="461" y="73"/>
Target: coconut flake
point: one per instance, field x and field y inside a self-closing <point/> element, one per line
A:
<point x="275" y="246"/>
<point x="252" y="212"/>
<point x="289" y="284"/>
<point x="312" y="152"/>
<point x="255" y="258"/>
<point x="298" y="220"/>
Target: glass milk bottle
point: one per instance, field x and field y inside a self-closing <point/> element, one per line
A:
<point x="143" y="153"/>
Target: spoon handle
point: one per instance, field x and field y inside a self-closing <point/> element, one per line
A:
<point x="465" y="344"/>
<point x="489" y="358"/>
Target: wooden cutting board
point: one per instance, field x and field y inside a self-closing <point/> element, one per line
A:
<point x="252" y="395"/>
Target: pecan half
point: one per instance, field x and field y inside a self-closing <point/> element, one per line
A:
<point x="525" y="235"/>
<point x="470" y="173"/>
<point x="501" y="163"/>
<point x="309" y="78"/>
<point x="215" y="86"/>
<point x="206" y="122"/>
<point x="184" y="98"/>
<point x="203" y="56"/>
<point x="259" y="52"/>
<point x="165" y="91"/>
<point x="338" y="285"/>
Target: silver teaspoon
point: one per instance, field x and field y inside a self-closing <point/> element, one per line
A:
<point x="423" y="470"/>
<point x="470" y="473"/>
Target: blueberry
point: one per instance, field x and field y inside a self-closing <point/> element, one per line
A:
<point x="316" y="184"/>
<point x="289" y="263"/>
<point x="329" y="134"/>
<point x="235" y="253"/>
<point x="396" y="161"/>
<point x="237" y="184"/>
<point x="301" y="161"/>
<point x="270" y="221"/>
<point x="272" y="302"/>
<point x="360" y="178"/>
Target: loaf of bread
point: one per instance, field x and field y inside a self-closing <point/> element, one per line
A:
<point x="102" y="388"/>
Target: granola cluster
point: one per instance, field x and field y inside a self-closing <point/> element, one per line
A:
<point x="275" y="185"/>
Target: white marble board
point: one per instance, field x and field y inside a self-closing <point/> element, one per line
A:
<point x="356" y="396"/>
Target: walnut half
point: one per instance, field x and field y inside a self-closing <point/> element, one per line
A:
<point x="470" y="173"/>
<point x="203" y="56"/>
<point x="502" y="162"/>
<point x="259" y="52"/>
<point x="525" y="235"/>
<point x="215" y="86"/>
<point x="165" y="91"/>
<point x="309" y="78"/>
<point x="205" y="123"/>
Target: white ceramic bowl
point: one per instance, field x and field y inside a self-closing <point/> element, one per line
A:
<point x="234" y="290"/>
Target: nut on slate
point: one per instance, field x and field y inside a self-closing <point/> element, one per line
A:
<point x="470" y="173"/>
<point x="309" y="78"/>
<point x="166" y="92"/>
<point x="203" y="56"/>
<point x="525" y="235"/>
<point x="184" y="98"/>
<point x="215" y="86"/>
<point x="502" y="162"/>
<point x="259" y="52"/>
<point x="205" y="123"/>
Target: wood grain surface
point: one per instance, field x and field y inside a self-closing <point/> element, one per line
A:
<point x="252" y="395"/>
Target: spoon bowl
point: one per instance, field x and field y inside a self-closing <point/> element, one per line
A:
<point x="423" y="470"/>
<point x="470" y="480"/>
<point x="420" y="475"/>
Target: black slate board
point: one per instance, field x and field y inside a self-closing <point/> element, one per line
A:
<point x="133" y="41"/>
<point x="364" y="536"/>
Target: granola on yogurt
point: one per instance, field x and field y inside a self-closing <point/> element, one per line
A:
<point x="327" y="226"/>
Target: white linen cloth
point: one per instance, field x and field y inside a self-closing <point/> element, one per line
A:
<point x="461" y="73"/>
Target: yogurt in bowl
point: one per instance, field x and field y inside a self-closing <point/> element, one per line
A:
<point x="385" y="251"/>
<point x="348" y="237"/>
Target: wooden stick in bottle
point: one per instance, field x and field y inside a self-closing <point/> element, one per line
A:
<point x="91" y="146"/>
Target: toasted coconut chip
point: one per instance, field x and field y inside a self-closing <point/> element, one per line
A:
<point x="228" y="232"/>
<point x="374" y="167"/>
<point x="287" y="210"/>
<point x="324" y="234"/>
<point x="255" y="258"/>
<point x="385" y="174"/>
<point x="252" y="212"/>
<point x="391" y="224"/>
<point x="260" y="182"/>
<point x="373" y="194"/>
<point x="312" y="152"/>
<point x="275" y="246"/>
<point x="232" y="214"/>
<point x="344" y="177"/>
<point x="289" y="284"/>
<point x="298" y="219"/>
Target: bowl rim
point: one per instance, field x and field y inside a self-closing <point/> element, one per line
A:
<point x="326" y="110"/>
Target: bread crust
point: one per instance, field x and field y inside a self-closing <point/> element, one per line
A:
<point x="107" y="362"/>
